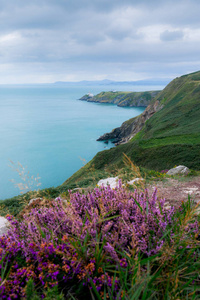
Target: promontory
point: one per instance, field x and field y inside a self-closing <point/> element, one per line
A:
<point x="130" y="99"/>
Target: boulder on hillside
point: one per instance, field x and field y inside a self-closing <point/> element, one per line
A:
<point x="4" y="225"/>
<point x="33" y="200"/>
<point x="180" y="170"/>
<point x="113" y="182"/>
<point x="135" y="180"/>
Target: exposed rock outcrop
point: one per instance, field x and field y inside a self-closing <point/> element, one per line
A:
<point x="4" y="225"/>
<point x="180" y="170"/>
<point x="33" y="200"/>
<point x="128" y="129"/>
<point x="113" y="182"/>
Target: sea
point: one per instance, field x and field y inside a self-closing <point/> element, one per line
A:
<point x="47" y="133"/>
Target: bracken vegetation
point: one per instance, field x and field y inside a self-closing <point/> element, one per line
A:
<point x="105" y="244"/>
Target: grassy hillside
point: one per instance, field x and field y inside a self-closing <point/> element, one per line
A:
<point x="123" y="98"/>
<point x="181" y="113"/>
<point x="170" y="137"/>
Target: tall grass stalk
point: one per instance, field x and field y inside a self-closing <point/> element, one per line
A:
<point x="28" y="182"/>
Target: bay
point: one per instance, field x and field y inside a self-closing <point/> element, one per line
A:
<point x="51" y="133"/>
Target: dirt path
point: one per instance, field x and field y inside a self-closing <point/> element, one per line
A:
<point x="175" y="191"/>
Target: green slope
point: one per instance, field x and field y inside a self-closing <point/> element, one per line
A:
<point x="170" y="137"/>
<point x="123" y="98"/>
<point x="181" y="112"/>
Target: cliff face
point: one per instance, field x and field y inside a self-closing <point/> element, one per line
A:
<point x="175" y="111"/>
<point x="130" y="99"/>
<point x="168" y="133"/>
<point x="129" y="128"/>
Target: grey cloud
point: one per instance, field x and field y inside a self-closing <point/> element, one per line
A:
<point x="70" y="35"/>
<point x="174" y="35"/>
<point x="180" y="13"/>
<point x="88" y="38"/>
<point x="118" y="33"/>
<point x="31" y="17"/>
<point x="51" y="13"/>
<point x="101" y="5"/>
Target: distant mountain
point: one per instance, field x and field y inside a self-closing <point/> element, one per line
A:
<point x="154" y="81"/>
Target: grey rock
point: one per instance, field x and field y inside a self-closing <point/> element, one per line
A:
<point x="33" y="200"/>
<point x="4" y="226"/>
<point x="130" y="128"/>
<point x="135" y="180"/>
<point x="110" y="136"/>
<point x="180" y="170"/>
<point x="113" y="182"/>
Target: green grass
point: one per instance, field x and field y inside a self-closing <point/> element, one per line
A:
<point x="181" y="111"/>
<point x="125" y="98"/>
<point x="192" y="139"/>
<point x="170" y="137"/>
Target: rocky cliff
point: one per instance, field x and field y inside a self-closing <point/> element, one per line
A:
<point x="173" y="115"/>
<point x="129" y="128"/>
<point x="130" y="99"/>
<point x="167" y="133"/>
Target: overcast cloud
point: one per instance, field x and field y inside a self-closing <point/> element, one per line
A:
<point x="72" y="40"/>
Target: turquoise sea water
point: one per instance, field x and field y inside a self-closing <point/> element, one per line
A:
<point x="50" y="132"/>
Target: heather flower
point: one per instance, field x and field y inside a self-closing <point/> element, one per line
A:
<point x="57" y="244"/>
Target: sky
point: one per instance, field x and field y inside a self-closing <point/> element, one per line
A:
<point x="71" y="40"/>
